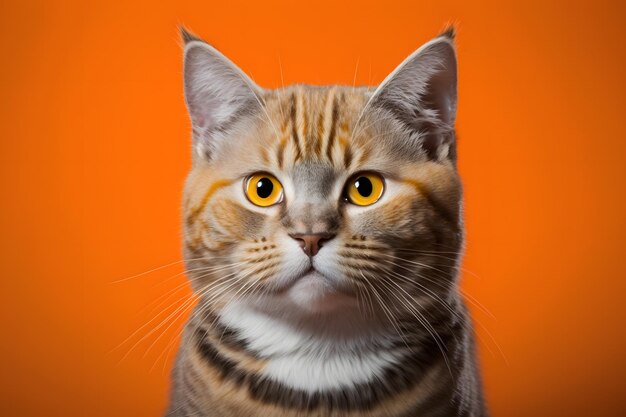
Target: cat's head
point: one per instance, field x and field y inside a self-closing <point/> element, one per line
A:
<point x="319" y="198"/>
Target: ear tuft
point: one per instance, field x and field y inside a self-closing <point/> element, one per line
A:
<point x="448" y="32"/>
<point x="188" y="36"/>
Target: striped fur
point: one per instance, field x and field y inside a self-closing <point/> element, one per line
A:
<point x="372" y="325"/>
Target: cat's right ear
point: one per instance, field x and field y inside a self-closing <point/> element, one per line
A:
<point x="218" y="94"/>
<point x="420" y="96"/>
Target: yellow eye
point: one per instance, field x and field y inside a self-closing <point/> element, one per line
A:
<point x="263" y="190"/>
<point x="365" y="189"/>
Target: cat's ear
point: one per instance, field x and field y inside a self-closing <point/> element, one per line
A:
<point x="421" y="95"/>
<point x="218" y="94"/>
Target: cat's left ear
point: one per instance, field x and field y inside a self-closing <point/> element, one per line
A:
<point x="219" y="95"/>
<point x="421" y="96"/>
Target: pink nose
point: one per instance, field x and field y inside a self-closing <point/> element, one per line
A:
<point x="312" y="243"/>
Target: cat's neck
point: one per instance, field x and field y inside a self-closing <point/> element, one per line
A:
<point x="326" y="351"/>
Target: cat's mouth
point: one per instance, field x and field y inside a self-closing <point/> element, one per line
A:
<point x="316" y="292"/>
<point x="310" y="276"/>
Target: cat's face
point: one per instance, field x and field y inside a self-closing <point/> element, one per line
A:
<point x="322" y="198"/>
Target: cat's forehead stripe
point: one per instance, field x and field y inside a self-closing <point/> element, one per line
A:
<point x="303" y="121"/>
<point x="316" y="124"/>
<point x="331" y="115"/>
<point x="294" y="126"/>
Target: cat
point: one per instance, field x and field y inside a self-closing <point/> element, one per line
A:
<point x="322" y="237"/>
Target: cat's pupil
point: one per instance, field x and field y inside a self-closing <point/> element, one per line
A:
<point x="264" y="187"/>
<point x="364" y="186"/>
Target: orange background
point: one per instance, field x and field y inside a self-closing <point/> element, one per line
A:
<point x="95" y="147"/>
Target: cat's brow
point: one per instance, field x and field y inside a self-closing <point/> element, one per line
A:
<point x="195" y="212"/>
<point x="436" y="205"/>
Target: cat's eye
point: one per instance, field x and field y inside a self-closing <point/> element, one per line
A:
<point x="364" y="189"/>
<point x="263" y="189"/>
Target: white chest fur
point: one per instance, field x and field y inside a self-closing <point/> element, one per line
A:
<point x="308" y="361"/>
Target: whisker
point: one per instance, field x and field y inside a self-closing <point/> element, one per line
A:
<point x="206" y="303"/>
<point x="446" y="305"/>
<point x="392" y="319"/>
<point x="190" y="296"/>
<point x="470" y="298"/>
<point x="163" y="267"/>
<point x="169" y="293"/>
<point x="232" y="282"/>
<point x="147" y="272"/>
<point x="356" y="70"/>
<point x="424" y="322"/>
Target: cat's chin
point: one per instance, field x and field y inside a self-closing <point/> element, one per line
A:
<point x="315" y="293"/>
<point x="312" y="293"/>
